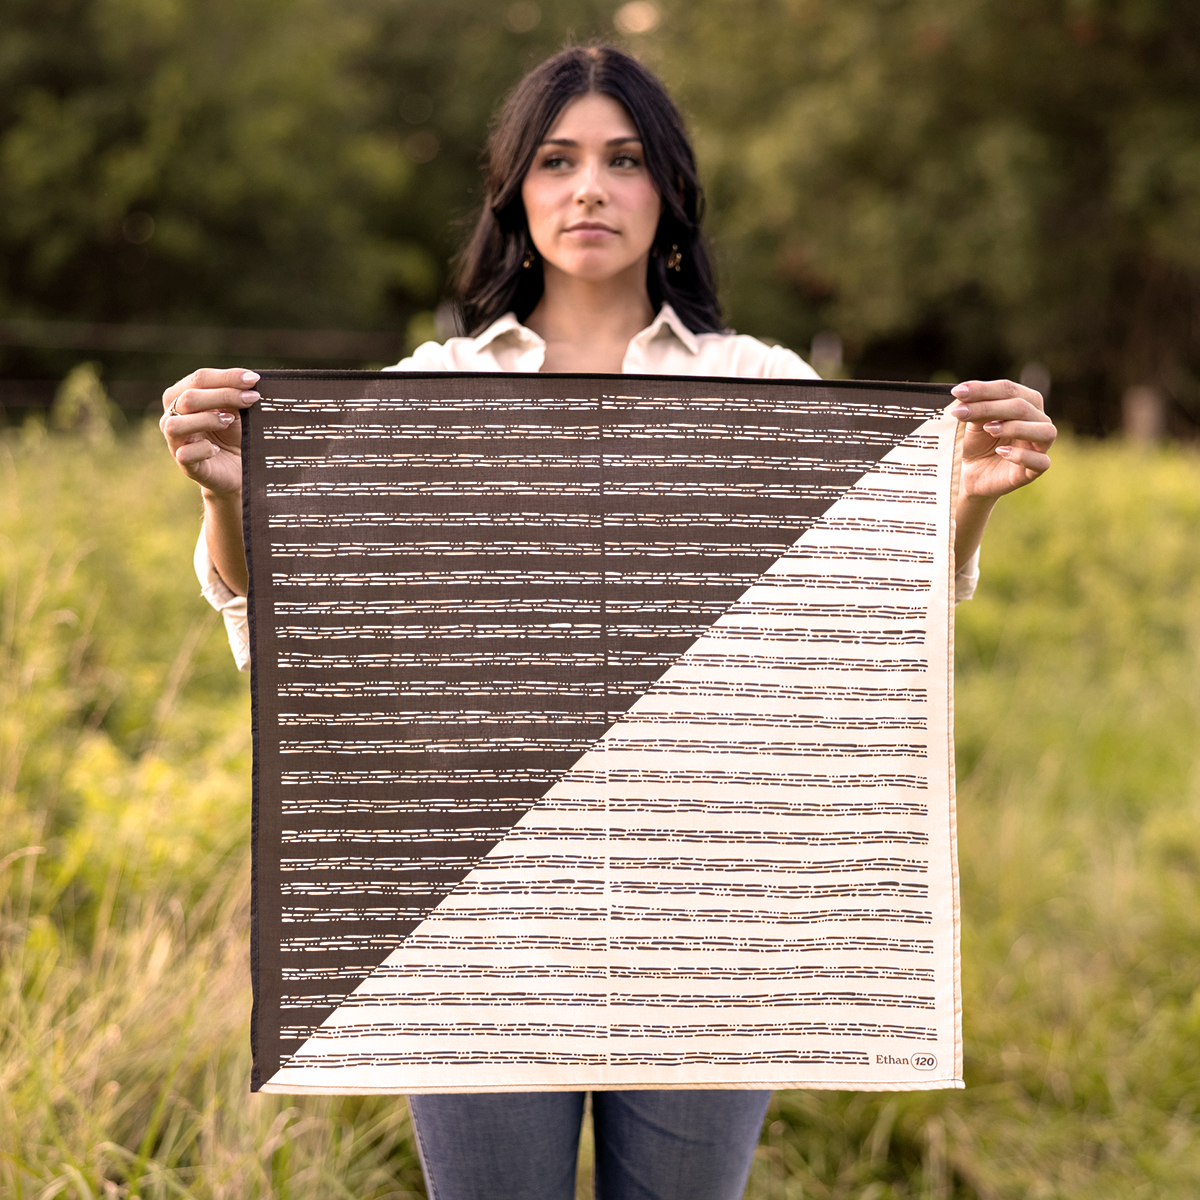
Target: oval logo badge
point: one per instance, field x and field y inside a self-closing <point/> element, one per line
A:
<point x="924" y="1062"/>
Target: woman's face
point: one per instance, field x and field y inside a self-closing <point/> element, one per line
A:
<point x="590" y="202"/>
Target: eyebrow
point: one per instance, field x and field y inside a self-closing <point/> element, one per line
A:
<point x="617" y="141"/>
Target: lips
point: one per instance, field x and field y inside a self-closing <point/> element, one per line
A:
<point x="590" y="230"/>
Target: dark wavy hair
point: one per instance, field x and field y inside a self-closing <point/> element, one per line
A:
<point x="491" y="280"/>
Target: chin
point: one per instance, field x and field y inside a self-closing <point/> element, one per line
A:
<point x="593" y="268"/>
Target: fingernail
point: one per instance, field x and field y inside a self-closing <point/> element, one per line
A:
<point x="993" y="426"/>
<point x="1004" y="451"/>
<point x="249" y="397"/>
<point x="225" y="418"/>
<point x="960" y="390"/>
<point x="250" y="377"/>
<point x="960" y="410"/>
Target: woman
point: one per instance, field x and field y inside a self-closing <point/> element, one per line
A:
<point x="587" y="257"/>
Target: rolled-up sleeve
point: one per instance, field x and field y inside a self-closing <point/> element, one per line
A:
<point x="226" y="601"/>
<point x="966" y="578"/>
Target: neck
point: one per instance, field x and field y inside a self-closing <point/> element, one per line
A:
<point x="587" y="324"/>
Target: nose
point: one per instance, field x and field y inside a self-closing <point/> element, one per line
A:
<point x="589" y="190"/>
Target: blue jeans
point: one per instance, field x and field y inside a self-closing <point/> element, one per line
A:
<point x="649" y="1145"/>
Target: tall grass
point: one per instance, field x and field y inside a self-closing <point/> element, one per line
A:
<point x="124" y="879"/>
<point x="124" y="756"/>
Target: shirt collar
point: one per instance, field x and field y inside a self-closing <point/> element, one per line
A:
<point x="667" y="318"/>
<point x="507" y="324"/>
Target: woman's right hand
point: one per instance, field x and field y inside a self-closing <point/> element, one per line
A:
<point x="203" y="426"/>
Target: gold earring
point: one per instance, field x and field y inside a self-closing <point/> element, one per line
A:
<point x="675" y="259"/>
<point x="529" y="258"/>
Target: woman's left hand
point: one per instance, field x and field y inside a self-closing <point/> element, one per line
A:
<point x="1007" y="439"/>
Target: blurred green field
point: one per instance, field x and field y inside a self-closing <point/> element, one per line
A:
<point x="124" y="806"/>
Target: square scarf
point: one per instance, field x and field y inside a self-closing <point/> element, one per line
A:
<point x="602" y="733"/>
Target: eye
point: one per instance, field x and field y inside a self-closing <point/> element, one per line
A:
<point x="555" y="162"/>
<point x="627" y="161"/>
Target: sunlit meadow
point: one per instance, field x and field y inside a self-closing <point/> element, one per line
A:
<point x="124" y="880"/>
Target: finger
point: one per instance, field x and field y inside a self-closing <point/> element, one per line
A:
<point x="972" y="390"/>
<point x="190" y="454"/>
<point x="194" y="400"/>
<point x="1042" y="432"/>
<point x="236" y="378"/>
<point x="178" y="428"/>
<point x="1031" y="460"/>
<point x="979" y="412"/>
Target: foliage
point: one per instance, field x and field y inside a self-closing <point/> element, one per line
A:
<point x="249" y="163"/>
<point x="124" y="749"/>
<point x="83" y="406"/>
<point x="968" y="185"/>
<point x="211" y="162"/>
<point x="955" y="187"/>
<point x="124" y="866"/>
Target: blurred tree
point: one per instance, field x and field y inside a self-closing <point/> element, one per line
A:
<point x="204" y="161"/>
<point x="967" y="186"/>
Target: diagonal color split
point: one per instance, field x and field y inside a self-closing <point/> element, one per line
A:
<point x="741" y="877"/>
<point x="460" y="598"/>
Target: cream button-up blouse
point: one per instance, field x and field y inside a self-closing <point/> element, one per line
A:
<point x="665" y="347"/>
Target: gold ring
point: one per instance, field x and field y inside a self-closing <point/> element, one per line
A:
<point x="173" y="411"/>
